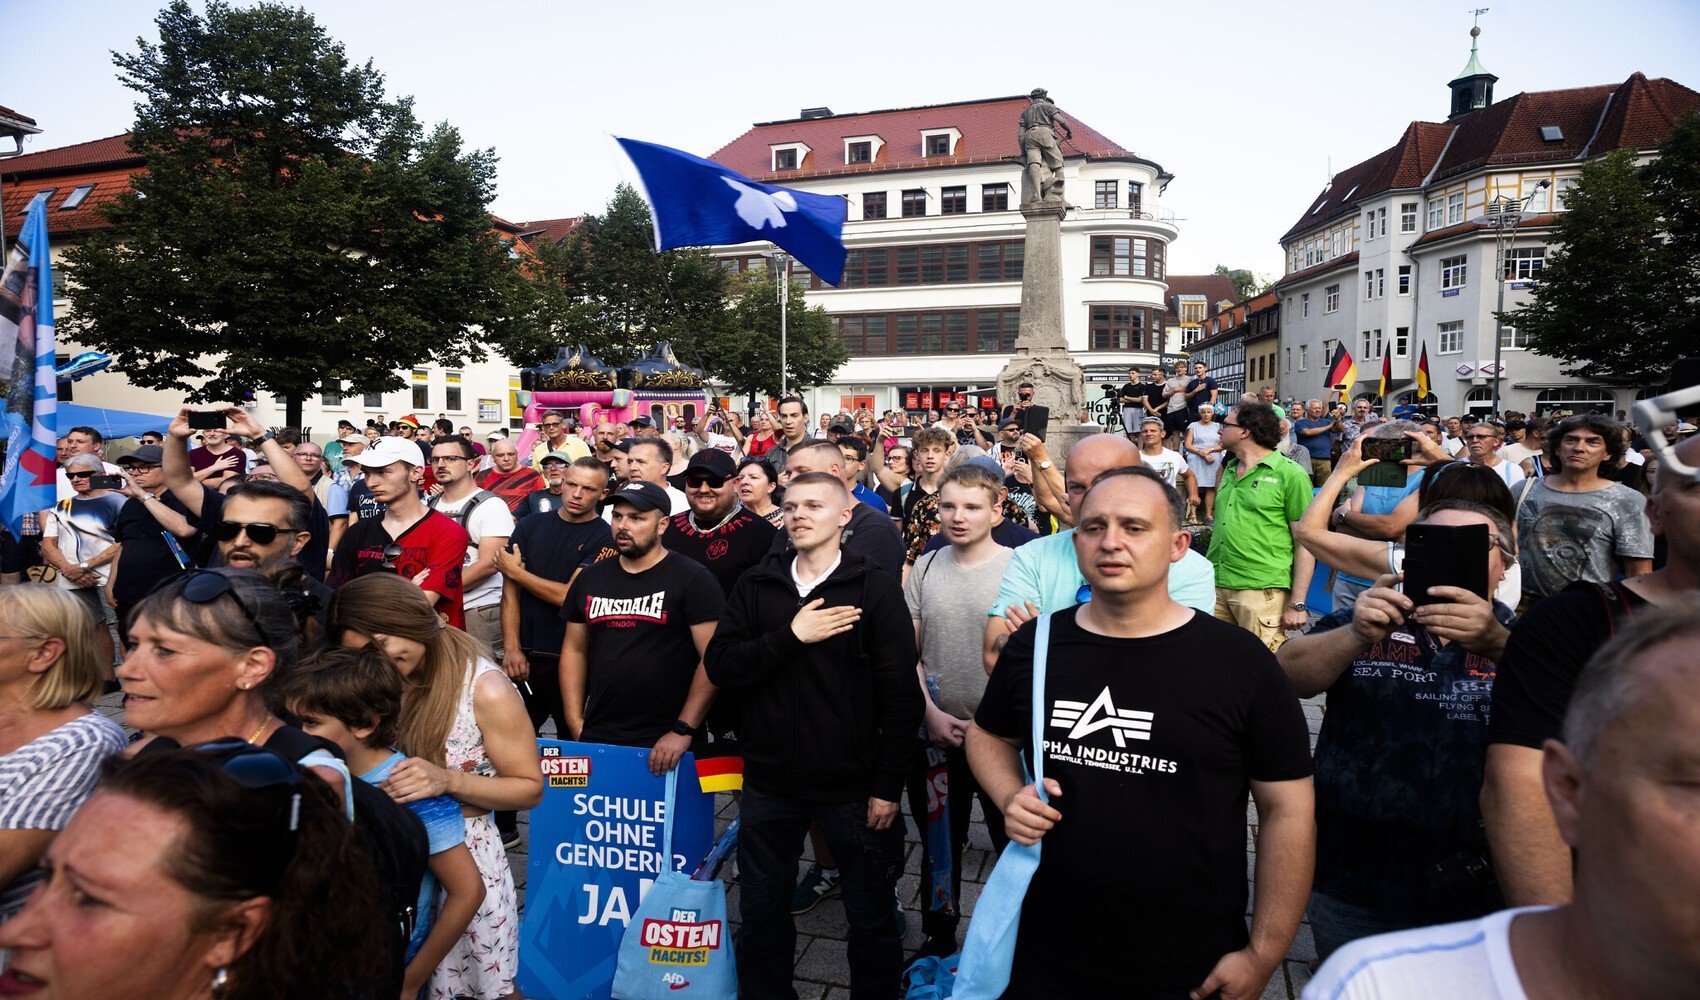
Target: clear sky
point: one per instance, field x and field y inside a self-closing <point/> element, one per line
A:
<point x="1245" y="102"/>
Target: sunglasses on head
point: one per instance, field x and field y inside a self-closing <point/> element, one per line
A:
<point x="259" y="532"/>
<point x="697" y="480"/>
<point x="203" y="586"/>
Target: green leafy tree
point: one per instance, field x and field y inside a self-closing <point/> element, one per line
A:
<point x="606" y="287"/>
<point x="294" y="227"/>
<point x="1246" y="284"/>
<point x="745" y="353"/>
<point x="1617" y="297"/>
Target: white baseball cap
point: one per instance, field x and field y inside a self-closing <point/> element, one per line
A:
<point x="388" y="451"/>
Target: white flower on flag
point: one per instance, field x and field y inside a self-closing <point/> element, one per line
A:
<point x="758" y="208"/>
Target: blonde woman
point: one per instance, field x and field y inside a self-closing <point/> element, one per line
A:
<point x="51" y="742"/>
<point x="466" y="735"/>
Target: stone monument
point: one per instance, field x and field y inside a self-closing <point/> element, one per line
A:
<point x="1041" y="351"/>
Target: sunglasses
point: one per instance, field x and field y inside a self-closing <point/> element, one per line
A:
<point x="695" y="481"/>
<point x="203" y="586"/>
<point x="260" y="533"/>
<point x="253" y="766"/>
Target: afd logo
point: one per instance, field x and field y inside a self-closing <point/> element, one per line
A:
<point x="1082" y="719"/>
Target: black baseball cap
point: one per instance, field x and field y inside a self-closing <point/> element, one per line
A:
<point x="640" y="422"/>
<point x="1009" y="422"/>
<point x="712" y="461"/>
<point x="643" y="496"/>
<point x="840" y="427"/>
<point x="147" y="454"/>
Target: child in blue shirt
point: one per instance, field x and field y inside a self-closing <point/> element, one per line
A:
<point x="352" y="697"/>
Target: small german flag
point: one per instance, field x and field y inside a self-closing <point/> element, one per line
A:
<point x="1342" y="371"/>
<point x="1422" y="374"/>
<point x="1386" y="374"/>
<point x="720" y="774"/>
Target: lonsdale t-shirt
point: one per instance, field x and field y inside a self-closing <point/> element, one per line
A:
<point x="1155" y="742"/>
<point x="641" y="657"/>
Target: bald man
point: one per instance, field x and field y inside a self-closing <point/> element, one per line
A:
<point x="507" y="478"/>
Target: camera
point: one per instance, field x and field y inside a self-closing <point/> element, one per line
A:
<point x="106" y="482"/>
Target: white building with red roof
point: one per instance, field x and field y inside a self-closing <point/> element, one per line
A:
<point x="1400" y="251"/>
<point x="930" y="300"/>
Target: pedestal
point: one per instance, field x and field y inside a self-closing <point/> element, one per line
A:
<point x="1041" y="351"/>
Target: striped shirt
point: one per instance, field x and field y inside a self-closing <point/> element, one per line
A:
<point x="43" y="782"/>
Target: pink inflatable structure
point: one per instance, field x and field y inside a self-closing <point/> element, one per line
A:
<point x="581" y="385"/>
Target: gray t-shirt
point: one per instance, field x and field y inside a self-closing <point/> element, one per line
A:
<point x="1566" y="537"/>
<point x="1178" y="400"/>
<point x="951" y="603"/>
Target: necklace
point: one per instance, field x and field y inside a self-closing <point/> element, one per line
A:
<point x="265" y="720"/>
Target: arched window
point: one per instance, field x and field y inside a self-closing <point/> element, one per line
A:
<point x="1479" y="399"/>
<point x="1575" y="399"/>
<point x="1429" y="405"/>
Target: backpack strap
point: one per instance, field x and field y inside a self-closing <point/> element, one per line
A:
<point x="465" y="512"/>
<point x="1615" y="599"/>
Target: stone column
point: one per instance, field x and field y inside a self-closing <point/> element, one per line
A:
<point x="1041" y="351"/>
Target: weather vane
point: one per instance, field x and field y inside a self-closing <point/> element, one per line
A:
<point x="1479" y="11"/>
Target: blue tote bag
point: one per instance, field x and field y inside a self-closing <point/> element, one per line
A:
<point x="677" y="944"/>
<point x="983" y="967"/>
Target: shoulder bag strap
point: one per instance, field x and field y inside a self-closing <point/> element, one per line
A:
<point x="1041" y="653"/>
<point x="667" y="824"/>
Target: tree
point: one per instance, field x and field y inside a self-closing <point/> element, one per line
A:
<point x="1617" y="295"/>
<point x="605" y="286"/>
<point x="745" y="353"/>
<point x="1246" y="284"/>
<point x="294" y="229"/>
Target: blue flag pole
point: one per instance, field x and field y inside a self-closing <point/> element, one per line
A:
<point x="28" y="484"/>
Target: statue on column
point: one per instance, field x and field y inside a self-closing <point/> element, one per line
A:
<point x="1040" y="128"/>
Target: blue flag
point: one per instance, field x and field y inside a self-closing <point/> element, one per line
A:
<point x="699" y="203"/>
<point x="28" y="484"/>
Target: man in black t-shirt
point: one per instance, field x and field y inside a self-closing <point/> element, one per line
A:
<point x="145" y="555"/>
<point x="1148" y="751"/>
<point x="1132" y="398"/>
<point x="717" y="531"/>
<point x="637" y="626"/>
<point x="1548" y="647"/>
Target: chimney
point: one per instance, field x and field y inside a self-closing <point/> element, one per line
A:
<point x="809" y="114"/>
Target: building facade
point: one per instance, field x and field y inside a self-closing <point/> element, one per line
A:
<point x="1401" y="251"/>
<point x="1238" y="345"/>
<point x="930" y="300"/>
<point x="483" y="393"/>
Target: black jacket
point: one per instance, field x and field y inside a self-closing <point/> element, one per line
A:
<point x="870" y="534"/>
<point x="832" y="721"/>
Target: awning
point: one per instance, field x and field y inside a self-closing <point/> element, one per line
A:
<point x="110" y="423"/>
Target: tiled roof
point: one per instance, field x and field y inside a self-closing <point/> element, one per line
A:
<point x="1214" y="287"/>
<point x="1638" y="113"/>
<point x="551" y="229"/>
<point x="988" y="129"/>
<point x="1311" y="272"/>
<point x="17" y="118"/>
<point x="1464" y="228"/>
<point x="111" y="151"/>
<point x="108" y="183"/>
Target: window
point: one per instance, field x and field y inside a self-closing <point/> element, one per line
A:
<point x="1402" y="342"/>
<point x="999" y="261"/>
<point x="859" y="152"/>
<point x="953" y="201"/>
<point x="1369" y="285"/>
<point x="1454" y="209"/>
<point x="452" y="402"/>
<point x="938" y="145"/>
<point x="1304" y="356"/>
<point x="372" y="401"/>
<point x="1331" y="299"/>
<point x="1453" y="271"/>
<point x="421" y="389"/>
<point x="1575" y="398"/>
<point x="995" y="330"/>
<point x="1380" y="222"/>
<point x="331" y="395"/>
<point x="1135" y="196"/>
<point x="873" y="205"/>
<point x="1404" y="279"/>
<point x="1436" y="214"/>
<point x="785" y="159"/>
<point x="1289" y="361"/>
<point x="1513" y="339"/>
<point x="76" y="197"/>
<point x="1328" y="350"/>
<point x="1104" y="194"/>
<point x="44" y="191"/>
<point x="1304" y="305"/>
<point x="914" y="203"/>
<point x="1118" y="328"/>
<point x="1451" y="336"/>
<point x="1369" y="226"/>
<point x="1118" y="257"/>
<point x="1525" y="263"/>
<point x="994" y="197"/>
<point x="1407" y="217"/>
<point x="1562" y="191"/>
<point x="1381" y="283"/>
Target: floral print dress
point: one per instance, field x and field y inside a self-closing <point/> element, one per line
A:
<point x="483" y="963"/>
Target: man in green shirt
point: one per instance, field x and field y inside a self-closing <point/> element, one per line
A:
<point x="1262" y="573"/>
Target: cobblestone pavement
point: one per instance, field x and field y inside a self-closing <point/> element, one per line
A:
<point x="822" y="968"/>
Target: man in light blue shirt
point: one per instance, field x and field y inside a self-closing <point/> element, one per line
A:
<point x="1044" y="574"/>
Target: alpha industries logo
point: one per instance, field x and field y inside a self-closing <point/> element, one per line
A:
<point x="615" y="610"/>
<point x="1081" y="719"/>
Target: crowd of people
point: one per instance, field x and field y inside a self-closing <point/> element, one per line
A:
<point x="336" y="658"/>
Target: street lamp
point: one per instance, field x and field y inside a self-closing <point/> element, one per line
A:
<point x="781" y="262"/>
<point x="1503" y="215"/>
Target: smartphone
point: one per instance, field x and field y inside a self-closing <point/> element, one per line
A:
<point x="207" y="420"/>
<point x="1445" y="555"/>
<point x="1035" y="419"/>
<point x="106" y="482"/>
<point x="1388" y="451"/>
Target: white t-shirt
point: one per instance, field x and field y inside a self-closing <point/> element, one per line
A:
<point x="491" y="519"/>
<point x="1467" y="959"/>
<point x="1168" y="464"/>
<point x="1517" y="451"/>
<point x="1510" y="472"/>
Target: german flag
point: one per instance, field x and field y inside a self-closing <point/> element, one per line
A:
<point x="1342" y="371"/>
<point x="1422" y="374"/>
<point x="1386" y="374"/>
<point x="720" y="774"/>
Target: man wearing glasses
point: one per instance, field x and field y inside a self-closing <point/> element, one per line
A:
<point x="557" y="436"/>
<point x="145" y="556"/>
<point x="1483" y="442"/>
<point x="488" y="523"/>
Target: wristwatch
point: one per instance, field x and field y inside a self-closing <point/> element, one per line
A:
<point x="1300" y="606"/>
<point x="1045" y="464"/>
<point x="267" y="436"/>
<point x="683" y="728"/>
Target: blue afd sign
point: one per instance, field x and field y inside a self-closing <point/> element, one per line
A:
<point x="595" y="849"/>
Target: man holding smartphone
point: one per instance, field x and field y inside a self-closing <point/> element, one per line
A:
<point x="1399" y="760"/>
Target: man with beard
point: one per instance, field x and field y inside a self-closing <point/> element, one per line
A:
<point x="717" y="531"/>
<point x="637" y="627"/>
<point x="263" y="525"/>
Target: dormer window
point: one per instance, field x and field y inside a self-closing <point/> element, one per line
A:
<point x="940" y="142"/>
<point x="862" y="148"/>
<point x="789" y="156"/>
